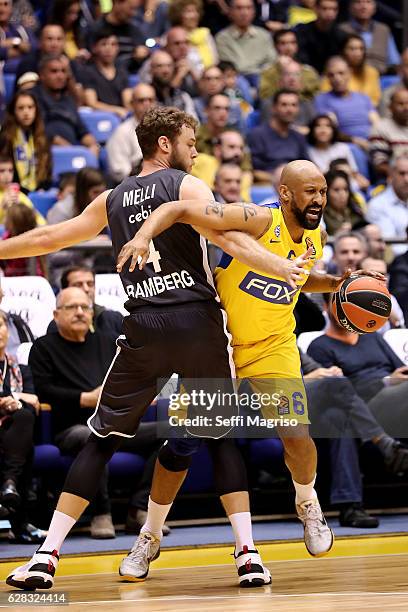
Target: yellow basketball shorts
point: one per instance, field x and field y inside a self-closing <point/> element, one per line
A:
<point x="273" y="371"/>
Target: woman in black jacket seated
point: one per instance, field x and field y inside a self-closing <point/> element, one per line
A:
<point x="18" y="406"/>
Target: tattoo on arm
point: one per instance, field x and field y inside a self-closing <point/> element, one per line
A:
<point x="217" y="208"/>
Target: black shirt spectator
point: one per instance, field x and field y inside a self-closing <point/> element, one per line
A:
<point x="118" y="22"/>
<point x="63" y="124"/>
<point x="322" y="38"/>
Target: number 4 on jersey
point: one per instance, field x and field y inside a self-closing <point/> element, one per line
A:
<point x="154" y="257"/>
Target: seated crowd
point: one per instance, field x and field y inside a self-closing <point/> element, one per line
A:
<point x="269" y="82"/>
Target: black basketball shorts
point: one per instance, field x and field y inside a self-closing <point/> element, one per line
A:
<point x="190" y="340"/>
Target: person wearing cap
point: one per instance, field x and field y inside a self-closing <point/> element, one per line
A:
<point x="28" y="80"/>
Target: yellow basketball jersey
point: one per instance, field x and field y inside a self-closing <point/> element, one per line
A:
<point x="259" y="306"/>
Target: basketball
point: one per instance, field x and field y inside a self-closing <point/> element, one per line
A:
<point x="362" y="304"/>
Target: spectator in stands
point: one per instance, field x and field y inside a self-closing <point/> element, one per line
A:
<point x="227" y="183"/>
<point x="324" y="146"/>
<point x="382" y="52"/>
<point x="349" y="250"/>
<point x="378" y="375"/>
<point x="63" y="124"/>
<point x="354" y="112"/>
<point x="18" y="406"/>
<point x="20" y="219"/>
<point x="320" y="39"/>
<point x="333" y="404"/>
<point x="18" y="331"/>
<point x="67" y="14"/>
<point x="399" y="280"/>
<point x="151" y="18"/>
<point x="402" y="83"/>
<point x="105" y="84"/>
<point x="272" y="14"/>
<point x="119" y="21"/>
<point x="162" y="70"/>
<point x="375" y="241"/>
<point x="23" y="137"/>
<point x="291" y="79"/>
<point x="16" y="42"/>
<point x="229" y="149"/>
<point x="276" y="142"/>
<point x="188" y="13"/>
<point x="358" y="182"/>
<point x="88" y="185"/>
<point x="210" y="84"/>
<point x="236" y="87"/>
<point x="396" y="319"/>
<point x="389" y="136"/>
<point x="217" y="114"/>
<point x="247" y="46"/>
<point x="188" y="67"/>
<point x="286" y="45"/>
<point x="342" y="211"/>
<point x="122" y="148"/>
<point x="389" y="209"/>
<point x="51" y="40"/>
<point x="69" y="366"/>
<point x="10" y="193"/>
<point x="104" y="320"/>
<point x="364" y="79"/>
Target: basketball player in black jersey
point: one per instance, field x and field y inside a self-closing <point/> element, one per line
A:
<point x="175" y="325"/>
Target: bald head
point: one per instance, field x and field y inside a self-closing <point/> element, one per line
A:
<point x="161" y="67"/>
<point x="298" y="171"/>
<point x="143" y="99"/>
<point x="302" y="193"/>
<point x="66" y="296"/>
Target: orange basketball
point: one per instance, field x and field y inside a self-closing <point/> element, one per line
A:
<point x="362" y="304"/>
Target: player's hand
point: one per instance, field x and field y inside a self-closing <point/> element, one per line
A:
<point x="399" y="375"/>
<point x="137" y="249"/>
<point x="376" y="275"/>
<point x="292" y="269"/>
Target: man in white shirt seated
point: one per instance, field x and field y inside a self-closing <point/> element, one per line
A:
<point x="389" y="210"/>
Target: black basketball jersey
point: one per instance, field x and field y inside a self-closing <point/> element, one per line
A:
<point x="177" y="270"/>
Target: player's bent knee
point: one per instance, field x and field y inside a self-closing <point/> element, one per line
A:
<point x="172" y="462"/>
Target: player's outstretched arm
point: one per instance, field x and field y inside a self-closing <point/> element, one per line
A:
<point x="50" y="238"/>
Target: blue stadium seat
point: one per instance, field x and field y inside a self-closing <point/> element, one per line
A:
<point x="361" y="160"/>
<point x="133" y="80"/>
<point x="388" y="80"/>
<point x="253" y="119"/>
<point x="261" y="193"/>
<point x="71" y="159"/>
<point x="100" y="123"/>
<point x="9" y="82"/>
<point x="43" y="200"/>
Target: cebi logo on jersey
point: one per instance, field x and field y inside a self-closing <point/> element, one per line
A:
<point x="268" y="289"/>
<point x="140" y="216"/>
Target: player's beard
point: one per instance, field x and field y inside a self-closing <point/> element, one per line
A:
<point x="301" y="216"/>
<point x="178" y="163"/>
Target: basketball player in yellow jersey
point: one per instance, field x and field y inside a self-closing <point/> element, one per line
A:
<point x="260" y="310"/>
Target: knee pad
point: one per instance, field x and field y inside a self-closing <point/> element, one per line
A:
<point x="173" y="462"/>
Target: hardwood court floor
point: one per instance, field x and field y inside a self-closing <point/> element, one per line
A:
<point x="333" y="584"/>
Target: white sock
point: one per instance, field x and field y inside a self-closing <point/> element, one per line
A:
<point x="156" y="515"/>
<point x="242" y="528"/>
<point x="61" y="525"/>
<point x="304" y="492"/>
